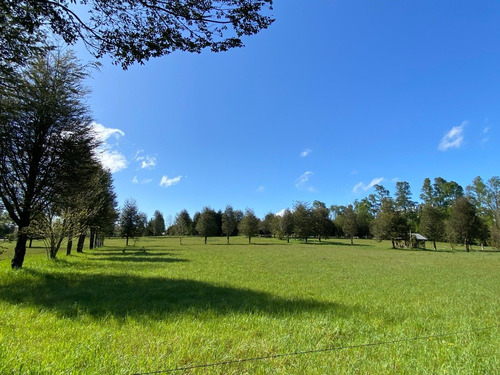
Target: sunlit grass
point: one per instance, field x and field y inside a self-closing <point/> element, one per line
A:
<point x="160" y="305"/>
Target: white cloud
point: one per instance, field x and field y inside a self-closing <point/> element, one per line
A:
<point x="102" y="133"/>
<point x="166" y="182"/>
<point x="486" y="130"/>
<point x="361" y="186"/>
<point x="454" y="138"/>
<point x="260" y="189"/>
<point x="305" y="153"/>
<point x="281" y="212"/>
<point x="302" y="182"/>
<point x="112" y="160"/>
<point x="135" y="180"/>
<point x="149" y="162"/>
<point x="354" y="172"/>
<point x="109" y="158"/>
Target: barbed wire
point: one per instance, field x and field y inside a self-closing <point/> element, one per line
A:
<point x="312" y="351"/>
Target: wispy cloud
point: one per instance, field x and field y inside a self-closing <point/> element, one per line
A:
<point x="485" y="138"/>
<point x="260" y="189"/>
<point x="145" y="181"/>
<point x="146" y="161"/>
<point x="305" y="153"/>
<point x="102" y="133"/>
<point x="361" y="186"/>
<point x="453" y="138"/>
<point x="166" y="182"/>
<point x="302" y="183"/>
<point x="109" y="158"/>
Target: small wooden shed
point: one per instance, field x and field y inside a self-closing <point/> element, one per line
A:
<point x="417" y="241"/>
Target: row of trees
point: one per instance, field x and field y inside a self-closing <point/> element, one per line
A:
<point x="51" y="184"/>
<point x="447" y="212"/>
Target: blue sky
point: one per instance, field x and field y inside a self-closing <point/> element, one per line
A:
<point x="334" y="97"/>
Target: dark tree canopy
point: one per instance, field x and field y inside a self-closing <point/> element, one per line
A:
<point x="206" y="225"/>
<point x="464" y="221"/>
<point x="131" y="30"/>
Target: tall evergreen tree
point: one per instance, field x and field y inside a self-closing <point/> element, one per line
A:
<point x="286" y="224"/>
<point x="350" y="224"/>
<point x="206" y="224"/>
<point x="229" y="221"/>
<point x="41" y="111"/>
<point x="249" y="225"/>
<point x="302" y="220"/>
<point x="131" y="220"/>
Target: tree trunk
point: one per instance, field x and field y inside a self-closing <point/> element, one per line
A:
<point x="19" y="251"/>
<point x="92" y="238"/>
<point x="467" y="244"/>
<point x="434" y="243"/>
<point x="31" y="242"/>
<point x="393" y="244"/>
<point x="228" y="239"/>
<point x="69" y="246"/>
<point x="180" y="240"/>
<point x="205" y="240"/>
<point x="352" y="240"/>
<point x="81" y="242"/>
<point x="249" y="239"/>
<point x="126" y="242"/>
<point x="319" y="238"/>
<point x="287" y="239"/>
<point x="55" y="248"/>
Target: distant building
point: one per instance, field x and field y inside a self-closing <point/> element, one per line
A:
<point x="417" y="241"/>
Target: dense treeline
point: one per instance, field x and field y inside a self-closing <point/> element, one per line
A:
<point x="446" y="212"/>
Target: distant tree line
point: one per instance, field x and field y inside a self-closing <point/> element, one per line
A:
<point x="446" y="212"/>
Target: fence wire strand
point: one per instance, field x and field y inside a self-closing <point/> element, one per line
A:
<point x="312" y="351"/>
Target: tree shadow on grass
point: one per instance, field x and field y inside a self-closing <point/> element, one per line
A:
<point x="139" y="258"/>
<point x="73" y="294"/>
<point x="337" y="243"/>
<point x="135" y="256"/>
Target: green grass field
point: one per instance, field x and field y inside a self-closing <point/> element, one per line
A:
<point x="173" y="306"/>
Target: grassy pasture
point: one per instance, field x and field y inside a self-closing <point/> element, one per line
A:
<point x="172" y="306"/>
